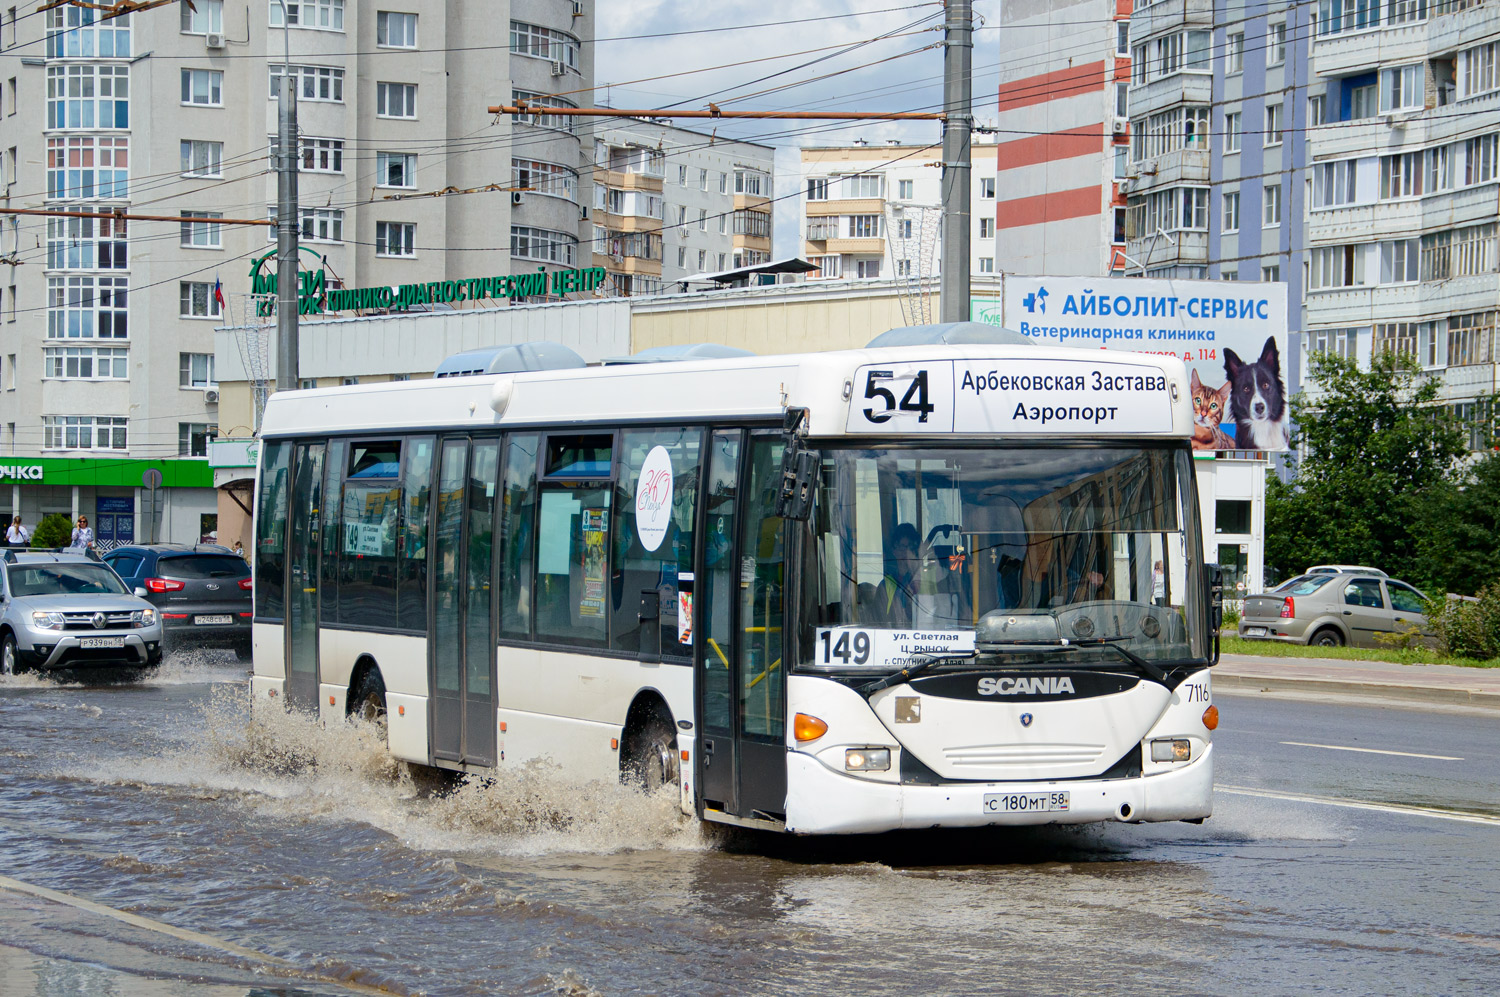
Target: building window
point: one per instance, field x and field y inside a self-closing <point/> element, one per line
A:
<point x="201" y="159"/>
<point x="88" y="168"/>
<point x="1398" y="260"/>
<point x="1477" y="71"/>
<point x="1337" y="16"/>
<point x="1407" y="11"/>
<point x="986" y="189"/>
<point x="196" y="370"/>
<point x="563" y="122"/>
<point x="1119" y="225"/>
<point x="395" y="239"/>
<point x="208" y="19"/>
<point x="76" y="32"/>
<point x="1271" y="202"/>
<point x="682" y="257"/>
<point x="196" y="299"/>
<point x="398" y="169"/>
<point x="682" y="176"/>
<point x="1232" y="212"/>
<point x="702" y="260"/>
<point x="1396" y="337"/>
<point x="86" y="307"/>
<point x="864" y="185"/>
<point x="1401" y="88"/>
<point x="1401" y="176"/>
<point x="702" y="220"/>
<point x="320" y="83"/>
<point x="84" y="432"/>
<point x="321" y="225"/>
<point x="1340" y="342"/>
<point x="86" y="363"/>
<point x="86" y="244"/>
<point x="1480" y="157"/>
<point x="986" y="264"/>
<point x="1276" y="44"/>
<point x="1233" y="128"/>
<point x="393" y="30"/>
<point x="201" y="234"/>
<point x="1273" y="124"/>
<point x="1122" y="38"/>
<point x="1183" y="127"/>
<point x="986" y="228"/>
<point x="1271" y="273"/>
<point x="1439" y="168"/>
<point x="867" y="268"/>
<point x="319" y="155"/>
<point x="89" y="96"/>
<point x="545" y="245"/>
<point x="203" y="86"/>
<point x="1334" y="184"/>
<point x="193" y="437"/>
<point x="544" y="43"/>
<point x="864" y="226"/>
<point x="1471" y="339"/>
<point x="1122" y="162"/>
<point x="543" y="178"/>
<point x="817" y="188"/>
<point x="904" y="188"/>
<point x="1317" y="110"/>
<point x="324" y="14"/>
<point x="395" y="100"/>
<point x="1363" y="102"/>
<point x="1234" y="53"/>
<point x="1336" y="266"/>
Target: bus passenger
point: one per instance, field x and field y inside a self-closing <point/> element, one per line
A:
<point x="898" y="590"/>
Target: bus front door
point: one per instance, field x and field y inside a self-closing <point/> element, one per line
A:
<point x="462" y="666"/>
<point x="740" y="668"/>
<point x="304" y="519"/>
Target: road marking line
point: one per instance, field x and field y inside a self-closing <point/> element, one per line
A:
<point x="1390" y="808"/>
<point x="181" y="934"/>
<point x="1372" y="751"/>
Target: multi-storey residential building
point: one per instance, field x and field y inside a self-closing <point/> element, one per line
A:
<point x="1064" y="132"/>
<point x="670" y="203"/>
<point x="108" y="350"/>
<point x="875" y="211"/>
<point x="1405" y="144"/>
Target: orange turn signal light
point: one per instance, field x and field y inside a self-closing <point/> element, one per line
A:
<point x="1211" y="718"/>
<point x="808" y="728"/>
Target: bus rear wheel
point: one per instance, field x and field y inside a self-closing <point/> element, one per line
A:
<point x="368" y="702"/>
<point x="651" y="756"/>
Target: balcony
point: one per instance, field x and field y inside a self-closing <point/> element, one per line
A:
<point x="862" y="246"/>
<point x="1352" y="52"/>
<point x="847" y="206"/>
<point x="629" y="181"/>
<point x="1187" y="248"/>
<point x="1403" y="218"/>
<point x="1179" y="88"/>
<point x="1462" y="29"/>
<point x="1420" y="302"/>
<point x="1169" y="15"/>
<point x="1182" y="166"/>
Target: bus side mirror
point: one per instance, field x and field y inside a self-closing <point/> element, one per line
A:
<point x="1213" y="575"/>
<point x="799" y="469"/>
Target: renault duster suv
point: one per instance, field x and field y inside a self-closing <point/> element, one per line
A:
<point x="67" y="610"/>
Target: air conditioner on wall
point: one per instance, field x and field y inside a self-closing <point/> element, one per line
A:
<point x="516" y="197"/>
<point x="215" y="41"/>
<point x="211" y="396"/>
<point x="577" y="8"/>
<point x="558" y="69"/>
<point x="1121" y="126"/>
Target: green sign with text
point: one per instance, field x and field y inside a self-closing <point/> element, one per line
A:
<point x="314" y="297"/>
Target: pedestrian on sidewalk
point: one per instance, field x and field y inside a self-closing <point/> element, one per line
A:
<point x="1158" y="584"/>
<point x="17" y="535"/>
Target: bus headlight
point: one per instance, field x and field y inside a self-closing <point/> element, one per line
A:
<point x="1166" y="749"/>
<point x="867" y="760"/>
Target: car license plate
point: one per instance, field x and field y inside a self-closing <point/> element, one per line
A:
<point x="1255" y="631"/>
<point x="212" y="621"/>
<point x="96" y="642"/>
<point x="1019" y="803"/>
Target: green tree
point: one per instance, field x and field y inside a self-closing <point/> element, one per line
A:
<point x="1382" y="456"/>
<point x="1460" y="542"/>
<point x="54" y="530"/>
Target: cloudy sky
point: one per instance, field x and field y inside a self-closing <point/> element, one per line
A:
<point x="751" y="61"/>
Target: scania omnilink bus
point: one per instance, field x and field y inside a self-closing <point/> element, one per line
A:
<point x="918" y="586"/>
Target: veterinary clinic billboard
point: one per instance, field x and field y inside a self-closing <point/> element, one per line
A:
<point x="1231" y="335"/>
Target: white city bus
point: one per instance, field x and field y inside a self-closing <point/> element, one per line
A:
<point x="917" y="586"/>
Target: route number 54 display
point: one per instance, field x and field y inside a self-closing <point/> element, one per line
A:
<point x="881" y="387"/>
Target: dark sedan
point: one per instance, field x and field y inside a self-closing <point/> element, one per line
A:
<point x="202" y="592"/>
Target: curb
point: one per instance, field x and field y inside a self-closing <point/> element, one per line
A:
<point x="1371" y="690"/>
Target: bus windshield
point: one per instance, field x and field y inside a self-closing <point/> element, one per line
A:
<point x="911" y="547"/>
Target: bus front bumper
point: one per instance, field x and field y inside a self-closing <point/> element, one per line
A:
<point x="821" y="801"/>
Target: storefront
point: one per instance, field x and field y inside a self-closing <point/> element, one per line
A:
<point x="125" y="501"/>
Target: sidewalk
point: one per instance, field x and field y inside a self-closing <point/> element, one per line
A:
<point x="1432" y="684"/>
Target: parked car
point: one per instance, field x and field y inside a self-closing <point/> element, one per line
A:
<point x="202" y="592"/>
<point x="66" y="610"/>
<point x="1332" y="609"/>
<point x="1333" y="569"/>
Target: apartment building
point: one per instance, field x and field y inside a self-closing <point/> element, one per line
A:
<point x="1064" y="133"/>
<point x="1404" y="117"/>
<point x="108" y="356"/>
<point x="671" y="202"/>
<point x="875" y="211"/>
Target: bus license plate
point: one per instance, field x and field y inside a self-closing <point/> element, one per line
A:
<point x="1025" y="803"/>
<point x="94" y="642"/>
<point x="1255" y="631"/>
<point x="212" y="621"/>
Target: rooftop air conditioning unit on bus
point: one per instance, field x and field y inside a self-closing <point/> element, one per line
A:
<point x="215" y="40"/>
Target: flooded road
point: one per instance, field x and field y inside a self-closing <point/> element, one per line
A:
<point x="219" y="855"/>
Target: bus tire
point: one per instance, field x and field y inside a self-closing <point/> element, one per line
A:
<point x="651" y="756"/>
<point x="1327" y="637"/>
<point x="368" y="701"/>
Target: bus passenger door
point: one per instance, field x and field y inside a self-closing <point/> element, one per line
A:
<point x="741" y="669"/>
<point x="463" y="626"/>
<point x="305" y="517"/>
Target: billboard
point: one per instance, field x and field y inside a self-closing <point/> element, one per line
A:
<point x="1231" y="335"/>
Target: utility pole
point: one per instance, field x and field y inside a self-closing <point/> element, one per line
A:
<point x="958" y="93"/>
<point x="287" y="221"/>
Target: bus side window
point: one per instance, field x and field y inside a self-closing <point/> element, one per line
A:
<point x="416" y="487"/>
<point x="367" y="551"/>
<point x="653" y="540"/>
<point x="762" y="692"/>
<point x="270" y="532"/>
<point x="333" y="502"/>
<point x="517" y="532"/>
<point x="572" y="563"/>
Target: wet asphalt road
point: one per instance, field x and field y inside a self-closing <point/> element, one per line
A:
<point x="225" y="856"/>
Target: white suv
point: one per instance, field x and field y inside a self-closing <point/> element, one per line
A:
<point x="70" y="610"/>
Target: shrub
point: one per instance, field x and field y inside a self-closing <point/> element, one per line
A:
<point x="53" y="531"/>
<point x="1468" y="628"/>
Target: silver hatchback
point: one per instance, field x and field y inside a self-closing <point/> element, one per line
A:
<point x="1331" y="609"/>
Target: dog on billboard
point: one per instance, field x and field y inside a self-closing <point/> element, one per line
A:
<point x="1257" y="403"/>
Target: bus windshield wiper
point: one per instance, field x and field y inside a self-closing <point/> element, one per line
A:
<point x="911" y="671"/>
<point x="1150" y="668"/>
